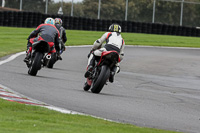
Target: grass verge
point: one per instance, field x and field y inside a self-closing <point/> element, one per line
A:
<point x="21" y="118"/>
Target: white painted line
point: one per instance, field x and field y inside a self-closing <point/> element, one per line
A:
<point x="82" y="46"/>
<point x="62" y="110"/>
<point x="11" y="58"/>
<point x="30" y="100"/>
<point x="141" y="46"/>
<point x="137" y="46"/>
<point x="51" y="107"/>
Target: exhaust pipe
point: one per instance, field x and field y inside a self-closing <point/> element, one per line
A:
<point x="48" y="57"/>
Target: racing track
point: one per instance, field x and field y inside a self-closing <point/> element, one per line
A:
<point x="157" y="87"/>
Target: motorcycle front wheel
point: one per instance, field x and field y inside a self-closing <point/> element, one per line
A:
<point x="103" y="76"/>
<point x="36" y="64"/>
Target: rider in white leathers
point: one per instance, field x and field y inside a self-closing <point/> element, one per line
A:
<point x="114" y="41"/>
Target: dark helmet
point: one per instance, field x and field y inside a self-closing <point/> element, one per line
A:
<point x="115" y="28"/>
<point x="58" y="21"/>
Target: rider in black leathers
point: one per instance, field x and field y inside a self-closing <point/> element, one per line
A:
<point x="63" y="37"/>
<point x="47" y="32"/>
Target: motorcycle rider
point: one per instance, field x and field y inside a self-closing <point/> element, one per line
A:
<point x="47" y="32"/>
<point x="114" y="41"/>
<point x="63" y="37"/>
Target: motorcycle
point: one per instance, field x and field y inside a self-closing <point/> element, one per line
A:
<point x="101" y="71"/>
<point x="39" y="57"/>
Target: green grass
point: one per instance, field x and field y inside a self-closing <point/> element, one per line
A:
<point x="13" y="40"/>
<point x="160" y="40"/>
<point x="88" y="38"/>
<point x="21" y="118"/>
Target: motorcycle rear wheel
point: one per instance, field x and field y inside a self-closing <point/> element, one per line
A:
<point x="36" y="64"/>
<point x="98" y="84"/>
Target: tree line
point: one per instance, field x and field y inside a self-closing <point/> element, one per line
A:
<point x="166" y="12"/>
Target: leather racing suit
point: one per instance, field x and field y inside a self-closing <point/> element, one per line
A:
<point x="63" y="37"/>
<point x="114" y="41"/>
<point x="46" y="32"/>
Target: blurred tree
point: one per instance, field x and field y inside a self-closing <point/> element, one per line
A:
<point x="113" y="9"/>
<point x="78" y="11"/>
<point x="90" y="8"/>
<point x="138" y="10"/>
<point x="191" y="14"/>
<point x="28" y="5"/>
<point x="168" y="12"/>
<point x="110" y="9"/>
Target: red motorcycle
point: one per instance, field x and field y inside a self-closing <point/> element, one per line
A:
<point x="39" y="57"/>
<point x="102" y="71"/>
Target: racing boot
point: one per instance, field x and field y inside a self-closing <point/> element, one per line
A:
<point x="28" y="54"/>
<point x="59" y="57"/>
<point x="112" y="74"/>
<point x="89" y="71"/>
<point x="90" y="66"/>
<point x="111" y="78"/>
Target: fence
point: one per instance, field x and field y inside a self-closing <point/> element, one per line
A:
<point x="171" y="12"/>
<point x="33" y="19"/>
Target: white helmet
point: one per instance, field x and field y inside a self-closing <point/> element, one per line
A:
<point x="49" y="21"/>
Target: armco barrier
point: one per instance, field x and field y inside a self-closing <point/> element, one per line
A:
<point x="33" y="19"/>
<point x="129" y="26"/>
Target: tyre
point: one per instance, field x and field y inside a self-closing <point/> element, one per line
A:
<point x="52" y="61"/>
<point x="36" y="64"/>
<point x="98" y="84"/>
<point x="86" y="87"/>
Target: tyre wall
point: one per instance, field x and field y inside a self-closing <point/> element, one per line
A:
<point x="33" y="19"/>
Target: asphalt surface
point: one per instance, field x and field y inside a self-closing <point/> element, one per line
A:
<point x="157" y="87"/>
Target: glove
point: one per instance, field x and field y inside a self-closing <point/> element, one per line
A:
<point x="63" y="47"/>
<point x="60" y="52"/>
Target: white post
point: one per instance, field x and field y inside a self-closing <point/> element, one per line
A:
<point x="3" y="3"/>
<point x="62" y="4"/>
<point x="46" y="10"/>
<point x="154" y="8"/>
<point x="72" y="9"/>
<point x="20" y="5"/>
<point x="99" y="9"/>
<point x="181" y="17"/>
<point x="126" y="13"/>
